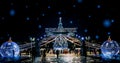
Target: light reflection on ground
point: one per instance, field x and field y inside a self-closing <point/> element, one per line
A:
<point x="67" y="58"/>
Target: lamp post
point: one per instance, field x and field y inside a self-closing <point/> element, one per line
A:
<point x="87" y="39"/>
<point x="83" y="50"/>
<point x="32" y="39"/>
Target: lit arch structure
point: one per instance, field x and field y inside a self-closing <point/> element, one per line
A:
<point x="60" y="37"/>
<point x="64" y="38"/>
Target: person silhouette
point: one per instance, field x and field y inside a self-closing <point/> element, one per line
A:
<point x="57" y="53"/>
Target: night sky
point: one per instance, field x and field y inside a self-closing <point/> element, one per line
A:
<point x="24" y="18"/>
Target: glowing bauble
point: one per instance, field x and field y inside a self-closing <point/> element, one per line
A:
<point x="109" y="49"/>
<point x="10" y="50"/>
<point x="1" y="55"/>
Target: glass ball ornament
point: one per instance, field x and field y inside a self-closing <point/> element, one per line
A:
<point x="1" y="55"/>
<point x="10" y="50"/>
<point x="109" y="49"/>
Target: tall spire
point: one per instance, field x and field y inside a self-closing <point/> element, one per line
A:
<point x="60" y="25"/>
<point x="10" y="39"/>
<point x="109" y="39"/>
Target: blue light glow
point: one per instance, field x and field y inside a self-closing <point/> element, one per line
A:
<point x="112" y="20"/>
<point x="39" y="26"/>
<point x="71" y="22"/>
<point x="12" y="12"/>
<point x="107" y="23"/>
<point x="98" y="6"/>
<point x="59" y="12"/>
<point x="85" y="30"/>
<point x="41" y="37"/>
<point x="79" y="1"/>
<point x="97" y="37"/>
<point x="38" y="39"/>
<point x="49" y="7"/>
<point x="78" y="36"/>
<point x="45" y="35"/>
<point x="89" y="16"/>
<point x="82" y="38"/>
<point x="27" y="18"/>
<point x="109" y="33"/>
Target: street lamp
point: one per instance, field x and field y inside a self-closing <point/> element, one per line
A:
<point x="32" y="39"/>
<point x="87" y="38"/>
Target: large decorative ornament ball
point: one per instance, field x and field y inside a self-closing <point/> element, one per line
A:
<point x="1" y="55"/>
<point x="10" y="50"/>
<point x="109" y="49"/>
